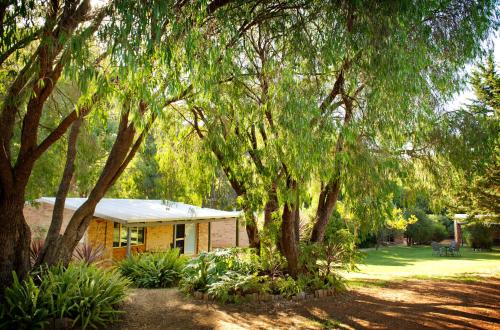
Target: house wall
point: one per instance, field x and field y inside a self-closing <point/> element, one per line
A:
<point x="100" y="232"/>
<point x="223" y="234"/>
<point x="159" y="238"/>
<point x="39" y="217"/>
<point x="202" y="231"/>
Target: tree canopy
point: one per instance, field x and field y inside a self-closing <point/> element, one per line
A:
<point x="282" y="107"/>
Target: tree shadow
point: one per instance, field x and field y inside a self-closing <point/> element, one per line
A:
<point x="414" y="304"/>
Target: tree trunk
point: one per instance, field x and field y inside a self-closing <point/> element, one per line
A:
<point x="326" y="204"/>
<point x="289" y="244"/>
<point x="271" y="206"/>
<point x="15" y="239"/>
<point x="296" y="216"/>
<point x="329" y="195"/>
<point x="252" y="230"/>
<point x="288" y="240"/>
<point x="121" y="154"/>
<point x="69" y="168"/>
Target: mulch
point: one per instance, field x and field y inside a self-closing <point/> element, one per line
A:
<point x="411" y="304"/>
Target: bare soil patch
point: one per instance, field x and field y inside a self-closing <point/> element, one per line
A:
<point x="411" y="304"/>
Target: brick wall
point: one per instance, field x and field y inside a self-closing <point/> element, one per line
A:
<point x="101" y="232"/>
<point x="223" y="234"/>
<point x="202" y="231"/>
<point x="39" y="217"/>
<point x="159" y="238"/>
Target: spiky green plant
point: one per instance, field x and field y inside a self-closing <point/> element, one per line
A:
<point x="154" y="269"/>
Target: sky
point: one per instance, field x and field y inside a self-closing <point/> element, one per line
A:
<point x="464" y="98"/>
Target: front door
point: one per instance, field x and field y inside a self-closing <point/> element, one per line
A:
<point x="185" y="238"/>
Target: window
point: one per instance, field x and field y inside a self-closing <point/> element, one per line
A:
<point x="120" y="235"/>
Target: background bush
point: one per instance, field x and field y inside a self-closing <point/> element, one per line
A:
<point x="478" y="235"/>
<point x="154" y="269"/>
<point x="428" y="228"/>
<point x="83" y="293"/>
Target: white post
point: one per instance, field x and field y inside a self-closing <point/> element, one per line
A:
<point x="129" y="234"/>
<point x="237" y="232"/>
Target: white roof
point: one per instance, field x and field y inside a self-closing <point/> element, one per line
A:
<point x="134" y="211"/>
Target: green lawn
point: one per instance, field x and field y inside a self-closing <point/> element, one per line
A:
<point x="400" y="262"/>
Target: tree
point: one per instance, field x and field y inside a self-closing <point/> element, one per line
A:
<point x="56" y="38"/>
<point x="332" y="94"/>
<point x="467" y="145"/>
<point x="45" y="39"/>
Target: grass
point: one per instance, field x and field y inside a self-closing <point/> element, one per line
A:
<point x="392" y="263"/>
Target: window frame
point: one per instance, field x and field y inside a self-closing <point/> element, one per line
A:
<point x="132" y="229"/>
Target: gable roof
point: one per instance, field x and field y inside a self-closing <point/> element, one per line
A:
<point x="147" y="211"/>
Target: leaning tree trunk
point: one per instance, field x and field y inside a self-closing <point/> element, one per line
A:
<point x="15" y="239"/>
<point x="329" y="195"/>
<point x="121" y="154"/>
<point x="326" y="204"/>
<point x="58" y="212"/>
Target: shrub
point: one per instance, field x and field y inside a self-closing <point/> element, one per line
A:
<point x="24" y="307"/>
<point x="233" y="285"/>
<point x="427" y="228"/>
<point x="438" y="232"/>
<point x="446" y="222"/>
<point x="154" y="269"/>
<point x="36" y="247"/>
<point x="85" y="294"/>
<point x="336" y="252"/>
<point x="478" y="235"/>
<point x="89" y="254"/>
<point x="228" y="274"/>
<point x="286" y="286"/>
<point x="224" y="274"/>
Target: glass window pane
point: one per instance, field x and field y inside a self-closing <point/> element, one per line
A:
<point x="180" y="245"/>
<point x="179" y="231"/>
<point x="123" y="236"/>
<point x="133" y="235"/>
<point x="141" y="236"/>
<point x="116" y="235"/>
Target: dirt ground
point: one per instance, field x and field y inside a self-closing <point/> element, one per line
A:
<point x="412" y="304"/>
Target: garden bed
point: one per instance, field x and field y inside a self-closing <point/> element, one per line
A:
<point x="254" y="297"/>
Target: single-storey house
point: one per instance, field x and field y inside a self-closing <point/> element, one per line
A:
<point x="125" y="226"/>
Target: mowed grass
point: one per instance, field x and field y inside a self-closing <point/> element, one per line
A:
<point x="418" y="262"/>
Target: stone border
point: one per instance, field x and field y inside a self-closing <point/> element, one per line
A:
<point x="271" y="297"/>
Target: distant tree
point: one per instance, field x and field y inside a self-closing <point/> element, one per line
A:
<point x="468" y="147"/>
